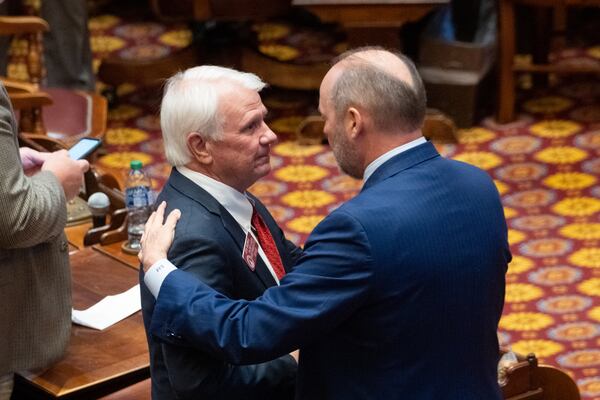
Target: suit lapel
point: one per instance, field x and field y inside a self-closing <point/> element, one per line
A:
<point x="237" y="233"/>
<point x="196" y="193"/>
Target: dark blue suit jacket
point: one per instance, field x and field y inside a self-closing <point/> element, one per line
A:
<point x="208" y="245"/>
<point x="397" y="296"/>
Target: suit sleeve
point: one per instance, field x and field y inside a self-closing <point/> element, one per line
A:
<point x="194" y="374"/>
<point x="32" y="209"/>
<point x="197" y="375"/>
<point x="333" y="278"/>
<point x="294" y="251"/>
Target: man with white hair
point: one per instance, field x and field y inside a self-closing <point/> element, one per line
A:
<point x="399" y="291"/>
<point x="216" y="139"/>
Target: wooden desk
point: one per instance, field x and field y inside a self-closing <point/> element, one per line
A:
<point x="97" y="362"/>
<point x="75" y="236"/>
<point x="114" y="250"/>
<point x="371" y="21"/>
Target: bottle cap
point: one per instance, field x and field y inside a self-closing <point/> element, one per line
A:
<point x="135" y="164"/>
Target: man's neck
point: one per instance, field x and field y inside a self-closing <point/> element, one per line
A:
<point x="381" y="143"/>
<point x="200" y="168"/>
<point x="382" y="159"/>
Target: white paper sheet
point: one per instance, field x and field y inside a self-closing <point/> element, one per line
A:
<point x="109" y="310"/>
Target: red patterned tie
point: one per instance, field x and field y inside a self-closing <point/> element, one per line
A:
<point x="267" y="244"/>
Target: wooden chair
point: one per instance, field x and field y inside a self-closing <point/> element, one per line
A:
<point x="526" y="380"/>
<point x="115" y="70"/>
<point x="26" y="97"/>
<point x="274" y="72"/>
<point x="63" y="114"/>
<point x="282" y="74"/>
<point x="508" y="69"/>
<point x="437" y="128"/>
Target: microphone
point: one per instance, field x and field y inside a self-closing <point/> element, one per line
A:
<point x="98" y="204"/>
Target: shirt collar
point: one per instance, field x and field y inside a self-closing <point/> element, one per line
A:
<point x="386" y="156"/>
<point x="236" y="203"/>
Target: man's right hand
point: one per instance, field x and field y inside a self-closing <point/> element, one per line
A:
<point x="157" y="236"/>
<point x="68" y="171"/>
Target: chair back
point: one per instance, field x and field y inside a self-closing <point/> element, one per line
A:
<point x="526" y="380"/>
<point x="63" y="114"/>
<point x="26" y="97"/>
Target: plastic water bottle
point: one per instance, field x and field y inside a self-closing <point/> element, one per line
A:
<point x="138" y="200"/>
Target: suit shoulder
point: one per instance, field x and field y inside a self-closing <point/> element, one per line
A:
<point x="466" y="168"/>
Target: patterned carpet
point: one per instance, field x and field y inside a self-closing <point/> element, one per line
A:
<point x="546" y="167"/>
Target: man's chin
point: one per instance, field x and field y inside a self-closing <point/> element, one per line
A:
<point x="263" y="161"/>
<point x="262" y="169"/>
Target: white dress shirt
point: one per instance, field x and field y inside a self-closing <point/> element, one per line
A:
<point x="237" y="204"/>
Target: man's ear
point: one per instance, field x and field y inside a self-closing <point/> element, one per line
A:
<point x="354" y="122"/>
<point x="198" y="149"/>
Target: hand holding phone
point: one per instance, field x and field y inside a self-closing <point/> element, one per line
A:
<point x="84" y="148"/>
<point x="69" y="172"/>
<point x="32" y="160"/>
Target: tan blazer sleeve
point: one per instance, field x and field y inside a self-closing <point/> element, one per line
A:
<point x="32" y="209"/>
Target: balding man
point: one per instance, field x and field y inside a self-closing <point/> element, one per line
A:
<point x="399" y="291"/>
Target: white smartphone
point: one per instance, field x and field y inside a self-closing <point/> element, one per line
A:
<point x="84" y="148"/>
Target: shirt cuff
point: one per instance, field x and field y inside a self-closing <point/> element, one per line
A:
<point x="157" y="274"/>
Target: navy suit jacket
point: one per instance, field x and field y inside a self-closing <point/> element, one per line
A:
<point x="208" y="245"/>
<point x="397" y="296"/>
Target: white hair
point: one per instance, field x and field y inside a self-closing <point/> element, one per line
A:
<point x="190" y="104"/>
